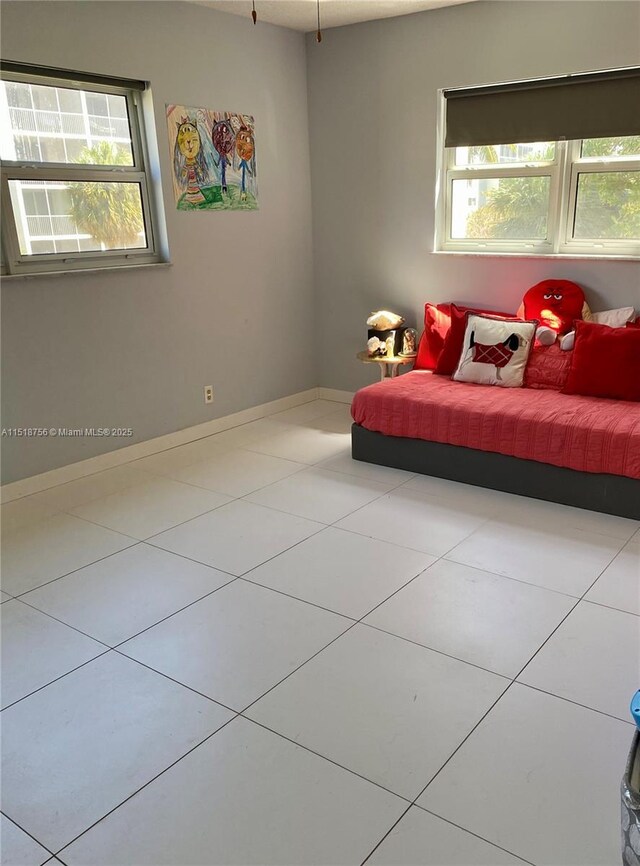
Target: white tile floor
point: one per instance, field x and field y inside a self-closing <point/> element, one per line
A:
<point x="253" y="650"/>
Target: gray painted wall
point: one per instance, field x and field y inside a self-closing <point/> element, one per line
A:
<point x="135" y="348"/>
<point x="372" y="110"/>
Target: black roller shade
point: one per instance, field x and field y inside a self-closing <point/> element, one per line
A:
<point x="71" y="75"/>
<point x="591" y="105"/>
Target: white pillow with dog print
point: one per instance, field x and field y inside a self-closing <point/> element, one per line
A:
<point x="495" y="351"/>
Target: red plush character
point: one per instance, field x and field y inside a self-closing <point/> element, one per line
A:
<point x="556" y="304"/>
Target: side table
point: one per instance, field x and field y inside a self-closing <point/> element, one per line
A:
<point x="388" y="366"/>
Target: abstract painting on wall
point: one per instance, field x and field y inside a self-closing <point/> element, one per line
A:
<point x="213" y="159"/>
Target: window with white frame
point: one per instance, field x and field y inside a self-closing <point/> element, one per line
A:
<point x="571" y="196"/>
<point x="75" y="187"/>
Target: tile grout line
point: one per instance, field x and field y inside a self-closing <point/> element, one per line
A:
<point x="246" y="498"/>
<point x="385" y="541"/>
<point x="356" y="620"/>
<point x="353" y="623"/>
<point x="389" y="831"/>
<point x="471" y="833"/>
<point x="106" y="651"/>
<point x="62" y="622"/>
<point x="459" y="746"/>
<point x="232" y="579"/>
<point x="324" y="758"/>
<point x="338" y="529"/>
<point x="301" y="665"/>
<point x="146" y="784"/>
<point x="606" y="606"/>
<point x="79" y="568"/>
<point x="447" y="558"/>
<point x="114" y="647"/>
<point x="26" y="832"/>
<point x="580" y="600"/>
<point x="184" y="556"/>
<point x="232" y="500"/>
<point x="303" y="467"/>
<point x="171" y="478"/>
<point x="115" y="553"/>
<point x="497" y="673"/>
<point x="295" y="598"/>
<point x="563" y="620"/>
<point x="127" y="486"/>
<point x="84" y="519"/>
<point x="153" y="534"/>
<point x="433" y="649"/>
<point x="576" y="704"/>
<point x="429" y="497"/>
<point x="312" y="467"/>
<point x="200" y="562"/>
<point x="177" y="682"/>
<point x="447" y="821"/>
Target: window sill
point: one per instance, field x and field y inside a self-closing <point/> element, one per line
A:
<point x="83" y="271"/>
<point x="524" y="255"/>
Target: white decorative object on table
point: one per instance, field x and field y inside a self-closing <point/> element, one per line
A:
<point x="409" y="342"/>
<point x="375" y="347"/>
<point x="383" y="320"/>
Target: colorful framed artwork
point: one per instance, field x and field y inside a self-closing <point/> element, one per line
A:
<point x="213" y="159"/>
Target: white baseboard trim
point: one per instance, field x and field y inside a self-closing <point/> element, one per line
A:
<point x="333" y="394"/>
<point x="73" y="471"/>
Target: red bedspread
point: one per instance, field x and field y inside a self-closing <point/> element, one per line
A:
<point x="583" y="433"/>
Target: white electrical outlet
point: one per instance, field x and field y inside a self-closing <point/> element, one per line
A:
<point x="208" y="393"/>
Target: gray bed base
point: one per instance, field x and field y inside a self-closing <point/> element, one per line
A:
<point x="612" y="494"/>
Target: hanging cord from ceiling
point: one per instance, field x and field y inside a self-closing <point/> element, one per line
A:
<point x="254" y="16"/>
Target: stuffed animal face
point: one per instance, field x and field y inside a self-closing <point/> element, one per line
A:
<point x="556" y="304"/>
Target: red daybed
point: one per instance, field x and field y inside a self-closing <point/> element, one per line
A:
<point x="576" y="450"/>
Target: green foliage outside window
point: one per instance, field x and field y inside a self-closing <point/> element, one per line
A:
<point x="110" y="212"/>
<point x="608" y="203"/>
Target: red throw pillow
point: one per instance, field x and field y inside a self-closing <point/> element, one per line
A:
<point x="452" y="349"/>
<point x="605" y="362"/>
<point x="437" y="321"/>
<point x="548" y="368"/>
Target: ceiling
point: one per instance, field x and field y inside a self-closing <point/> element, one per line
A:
<point x="301" y="14"/>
